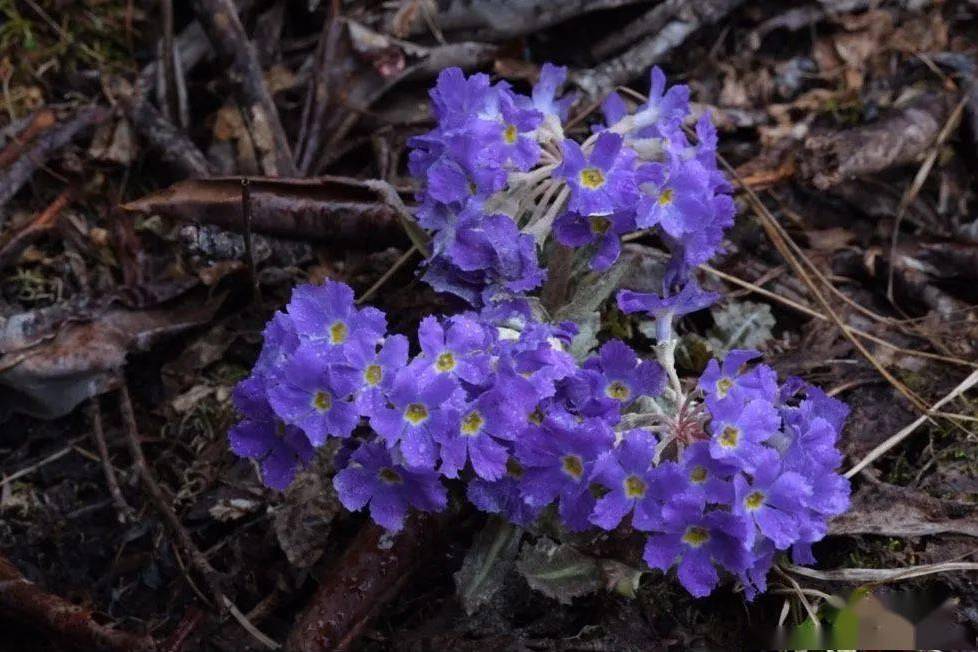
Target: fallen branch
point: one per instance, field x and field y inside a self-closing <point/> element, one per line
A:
<point x="636" y="61"/>
<point x="174" y="146"/>
<point x="499" y="20"/>
<point x="44" y="146"/>
<point x="651" y="22"/>
<point x="220" y="21"/>
<point x="902" y="136"/>
<point x="24" y="601"/>
<point x="331" y="209"/>
<point x="359" y="584"/>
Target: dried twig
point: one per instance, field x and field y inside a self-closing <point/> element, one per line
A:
<point x="14" y="241"/>
<point x="881" y="575"/>
<point x="38" y="123"/>
<point x="171" y="102"/>
<point x="124" y="512"/>
<point x="44" y="146"/>
<point x="321" y="84"/>
<point x="905" y="432"/>
<point x="26" y="602"/>
<point x="161" y="503"/>
<point x="222" y="25"/>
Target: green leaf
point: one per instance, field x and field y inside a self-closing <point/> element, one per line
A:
<point x="488" y="562"/>
<point x="559" y="571"/>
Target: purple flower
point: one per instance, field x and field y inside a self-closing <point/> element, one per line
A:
<point x="754" y="578"/>
<point x="739" y="431"/>
<point x="773" y="500"/>
<point x="279" y="341"/>
<point x="614" y="109"/>
<point x="575" y="230"/>
<point x="503" y="496"/>
<point x="697" y="541"/>
<point x="664" y="108"/>
<point x="314" y="395"/>
<point x="708" y="479"/>
<point x="508" y="141"/>
<point x="410" y="422"/>
<point x="689" y="299"/>
<point x="494" y="245"/>
<point x="458" y="351"/>
<point x="675" y="196"/>
<point x="325" y="314"/>
<point x="280" y="449"/>
<point x="456" y="99"/>
<point x="473" y="433"/>
<point x="376" y="370"/>
<point x="545" y="92"/>
<point x="725" y="381"/>
<point x="602" y="182"/>
<point x="632" y="483"/>
<point x="390" y="489"/>
<point x="613" y="379"/>
<point x="530" y="366"/>
<point x="558" y="457"/>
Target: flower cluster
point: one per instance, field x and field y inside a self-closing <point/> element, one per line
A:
<point x="499" y="174"/>
<point x="504" y="408"/>
<point x="508" y="409"/>
<point x="751" y="472"/>
<point x="721" y="476"/>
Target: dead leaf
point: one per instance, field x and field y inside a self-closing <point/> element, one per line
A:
<point x="337" y="210"/>
<point x="49" y="372"/>
<point x="303" y="523"/>
<point x="891" y="510"/>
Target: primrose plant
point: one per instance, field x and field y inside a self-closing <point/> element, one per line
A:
<point x="722" y="474"/>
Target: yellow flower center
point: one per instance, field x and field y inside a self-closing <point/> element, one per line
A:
<point x="389" y="475"/>
<point x="696" y="536"/>
<point x="698" y="474"/>
<point x="322" y="401"/>
<point x="729" y="437"/>
<point x="536" y="417"/>
<point x="373" y="374"/>
<point x="599" y="225"/>
<point x="513" y="468"/>
<point x="754" y="500"/>
<point x="634" y="487"/>
<point x="665" y="197"/>
<point x="445" y="362"/>
<point x="510" y="134"/>
<point x="338" y="333"/>
<point x="472" y="423"/>
<point x="416" y="413"/>
<point x="592" y="178"/>
<point x="573" y="466"/>
<point x="618" y="391"/>
<point x="723" y="386"/>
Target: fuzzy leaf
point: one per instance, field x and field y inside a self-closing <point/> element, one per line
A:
<point x="740" y="325"/>
<point x="488" y="562"/>
<point x="559" y="571"/>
